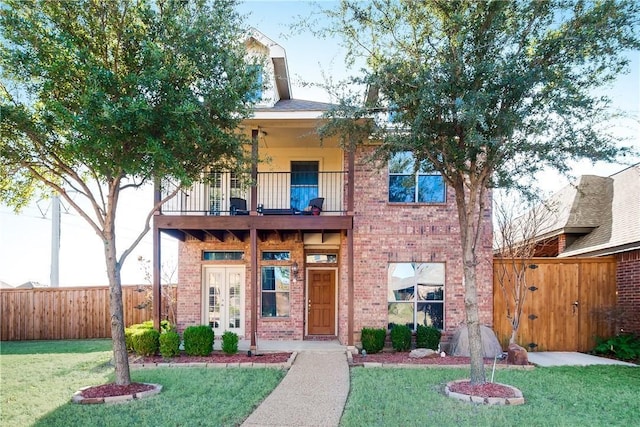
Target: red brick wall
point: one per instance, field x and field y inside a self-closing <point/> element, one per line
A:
<point x="628" y="281"/>
<point x="383" y="233"/>
<point x="386" y="233"/>
<point x="191" y="284"/>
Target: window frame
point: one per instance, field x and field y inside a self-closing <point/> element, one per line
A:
<point x="414" y="299"/>
<point x="416" y="176"/>
<point x="272" y="260"/>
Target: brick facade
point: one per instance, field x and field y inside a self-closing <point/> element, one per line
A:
<point x="628" y="286"/>
<point x="383" y="233"/>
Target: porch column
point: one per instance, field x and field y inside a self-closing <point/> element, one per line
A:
<point x="254" y="287"/>
<point x="350" y="263"/>
<point x="253" y="234"/>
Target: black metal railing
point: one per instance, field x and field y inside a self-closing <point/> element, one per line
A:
<point x="277" y="193"/>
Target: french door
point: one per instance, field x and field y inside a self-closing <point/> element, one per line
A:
<point x="224" y="299"/>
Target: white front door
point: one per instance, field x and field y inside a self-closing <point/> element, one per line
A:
<point x="224" y="299"/>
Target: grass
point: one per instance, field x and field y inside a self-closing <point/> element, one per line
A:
<point x="559" y="396"/>
<point x="37" y="379"/>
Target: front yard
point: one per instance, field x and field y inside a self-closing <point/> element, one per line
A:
<point x="38" y="378"/>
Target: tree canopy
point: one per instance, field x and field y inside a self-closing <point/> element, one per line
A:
<point x="97" y="97"/>
<point x="486" y="92"/>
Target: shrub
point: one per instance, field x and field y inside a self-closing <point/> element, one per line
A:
<point x="165" y="326"/>
<point x="146" y="341"/>
<point x="169" y="344"/>
<point x="623" y="347"/>
<point x="401" y="337"/>
<point x="198" y="340"/>
<point x="230" y="342"/>
<point x="373" y="339"/>
<point x="428" y="337"/>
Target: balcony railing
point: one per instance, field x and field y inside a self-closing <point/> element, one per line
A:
<point x="277" y="193"/>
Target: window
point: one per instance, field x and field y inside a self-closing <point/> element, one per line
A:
<point x="322" y="258"/>
<point x="255" y="95"/>
<point x="304" y="183"/>
<point x="222" y="255"/>
<point x="416" y="294"/>
<point x="275" y="291"/>
<point x="408" y="184"/>
<point x="276" y="256"/>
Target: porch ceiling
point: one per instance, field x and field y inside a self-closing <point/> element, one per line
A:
<point x="200" y="227"/>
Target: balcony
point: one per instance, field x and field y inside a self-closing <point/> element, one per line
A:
<point x="277" y="193"/>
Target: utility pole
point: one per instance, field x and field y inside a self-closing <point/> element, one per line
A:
<point x="54" y="276"/>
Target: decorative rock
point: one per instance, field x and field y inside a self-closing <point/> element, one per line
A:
<point x="419" y="353"/>
<point x="517" y="355"/>
<point x="460" y="342"/>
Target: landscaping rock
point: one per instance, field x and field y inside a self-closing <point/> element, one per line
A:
<point x="517" y="355"/>
<point x="419" y="353"/>
<point x="460" y="342"/>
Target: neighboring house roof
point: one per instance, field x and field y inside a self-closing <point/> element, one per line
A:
<point x="615" y="212"/>
<point x="31" y="285"/>
<point x="5" y="285"/>
<point x="601" y="214"/>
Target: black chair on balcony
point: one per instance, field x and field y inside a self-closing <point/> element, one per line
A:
<point x="314" y="208"/>
<point x="238" y="206"/>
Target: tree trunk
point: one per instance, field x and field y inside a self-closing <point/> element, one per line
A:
<point x="477" y="375"/>
<point x="120" y="355"/>
<point x="469" y="204"/>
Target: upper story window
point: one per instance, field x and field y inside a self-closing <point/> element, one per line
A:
<point x="411" y="184"/>
<point x="256" y="93"/>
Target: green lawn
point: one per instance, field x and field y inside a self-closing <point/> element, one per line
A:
<point x="562" y="396"/>
<point x="37" y="379"/>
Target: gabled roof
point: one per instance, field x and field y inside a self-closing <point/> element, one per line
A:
<point x="285" y="106"/>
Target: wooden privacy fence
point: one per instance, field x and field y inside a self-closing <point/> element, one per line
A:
<point x="571" y="303"/>
<point x="72" y="313"/>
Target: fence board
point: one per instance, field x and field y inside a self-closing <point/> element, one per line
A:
<point x="555" y="323"/>
<point x="72" y="313"/>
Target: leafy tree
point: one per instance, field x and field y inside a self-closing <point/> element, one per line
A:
<point x="518" y="225"/>
<point x="487" y="92"/>
<point x="103" y="96"/>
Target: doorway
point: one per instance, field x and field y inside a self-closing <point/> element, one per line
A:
<point x="224" y="299"/>
<point x="321" y="302"/>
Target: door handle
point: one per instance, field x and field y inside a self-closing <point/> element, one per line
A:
<point x="575" y="306"/>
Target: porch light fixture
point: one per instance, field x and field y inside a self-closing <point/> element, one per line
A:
<point x="294" y="269"/>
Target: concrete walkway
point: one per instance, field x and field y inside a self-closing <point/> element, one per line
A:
<point x="559" y="358"/>
<point x="313" y="392"/>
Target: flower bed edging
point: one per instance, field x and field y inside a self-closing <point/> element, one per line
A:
<point x="284" y="365"/>
<point x="517" y="400"/>
<point x="80" y="399"/>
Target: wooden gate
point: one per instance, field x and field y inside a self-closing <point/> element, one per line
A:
<point x="566" y="307"/>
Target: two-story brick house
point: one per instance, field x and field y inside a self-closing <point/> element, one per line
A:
<point x="321" y="242"/>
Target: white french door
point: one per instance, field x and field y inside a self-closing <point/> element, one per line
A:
<point x="224" y="299"/>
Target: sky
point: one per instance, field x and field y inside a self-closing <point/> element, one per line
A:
<point x="25" y="239"/>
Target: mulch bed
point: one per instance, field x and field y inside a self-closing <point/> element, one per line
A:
<point x="215" y="357"/>
<point x="483" y="390"/>
<point x="113" y="389"/>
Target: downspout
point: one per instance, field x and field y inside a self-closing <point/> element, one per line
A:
<point x="156" y="291"/>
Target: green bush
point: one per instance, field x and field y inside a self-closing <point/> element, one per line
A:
<point x="146" y="341"/>
<point x="165" y="326"/>
<point x="401" y="338"/>
<point x="169" y="344"/>
<point x="623" y="347"/>
<point x="428" y="337"/>
<point x="230" y="342"/>
<point x="373" y="339"/>
<point x="198" y="340"/>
